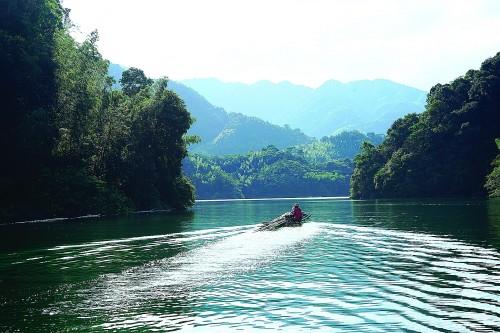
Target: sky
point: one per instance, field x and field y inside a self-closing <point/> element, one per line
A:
<point x="415" y="42"/>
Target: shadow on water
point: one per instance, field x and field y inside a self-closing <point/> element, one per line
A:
<point x="42" y="264"/>
<point x="473" y="221"/>
<point x="25" y="236"/>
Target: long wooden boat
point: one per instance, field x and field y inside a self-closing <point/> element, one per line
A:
<point x="284" y="220"/>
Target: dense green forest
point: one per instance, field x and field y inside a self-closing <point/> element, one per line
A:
<point x="347" y="144"/>
<point x="321" y="168"/>
<point x="445" y="151"/>
<point x="70" y="143"/>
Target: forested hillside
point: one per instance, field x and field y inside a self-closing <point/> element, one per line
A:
<point x="322" y="168"/>
<point x="70" y="144"/>
<point x="266" y="173"/>
<point x="448" y="150"/>
<point x="366" y="105"/>
<point x="224" y="133"/>
<point x="344" y="145"/>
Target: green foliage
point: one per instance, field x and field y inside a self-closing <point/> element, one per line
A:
<point x="493" y="179"/>
<point x="344" y="145"/>
<point x="321" y="168"/>
<point x="445" y="151"/>
<point x="27" y="42"/>
<point x="367" y="162"/>
<point x="73" y="145"/>
<point x="156" y="151"/>
<point x="223" y="133"/>
<point x="72" y="189"/>
<point x="210" y="181"/>
<point x="269" y="172"/>
<point x="133" y="80"/>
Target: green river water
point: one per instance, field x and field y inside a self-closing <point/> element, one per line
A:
<point x="356" y="266"/>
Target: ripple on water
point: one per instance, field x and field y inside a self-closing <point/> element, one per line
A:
<point x="330" y="277"/>
<point x="322" y="276"/>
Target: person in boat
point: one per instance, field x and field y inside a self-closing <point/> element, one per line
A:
<point x="297" y="213"/>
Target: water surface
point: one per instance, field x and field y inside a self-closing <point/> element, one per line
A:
<point x="357" y="266"/>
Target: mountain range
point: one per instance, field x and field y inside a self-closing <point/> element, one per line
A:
<point x="365" y="105"/>
<point x="224" y="132"/>
<point x="235" y="118"/>
<point x="230" y="132"/>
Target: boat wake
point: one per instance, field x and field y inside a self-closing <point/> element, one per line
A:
<point x="366" y="278"/>
<point x="214" y="261"/>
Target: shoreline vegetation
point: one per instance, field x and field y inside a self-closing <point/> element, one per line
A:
<point x="449" y="150"/>
<point x="73" y="145"/>
<point x="320" y="168"/>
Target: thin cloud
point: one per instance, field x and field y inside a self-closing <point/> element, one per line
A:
<point x="418" y="43"/>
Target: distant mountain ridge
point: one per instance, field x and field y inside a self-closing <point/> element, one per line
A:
<point x="232" y="133"/>
<point x="263" y="99"/>
<point x="366" y="105"/>
<point x="224" y="132"/>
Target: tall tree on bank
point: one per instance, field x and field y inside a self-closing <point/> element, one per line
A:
<point x="72" y="144"/>
<point x="28" y="31"/>
<point x="158" y="147"/>
<point x="445" y="151"/>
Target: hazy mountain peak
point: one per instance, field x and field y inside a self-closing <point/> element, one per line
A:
<point x="232" y="133"/>
<point x="366" y="105"/>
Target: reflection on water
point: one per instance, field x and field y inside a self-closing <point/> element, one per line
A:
<point x="359" y="266"/>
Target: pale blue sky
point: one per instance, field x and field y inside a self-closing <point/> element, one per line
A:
<point x="415" y="42"/>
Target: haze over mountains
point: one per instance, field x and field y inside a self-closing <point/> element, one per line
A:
<point x="229" y="132"/>
<point x="235" y="118"/>
<point x="366" y="105"/>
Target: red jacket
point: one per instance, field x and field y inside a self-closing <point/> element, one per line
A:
<point x="297" y="213"/>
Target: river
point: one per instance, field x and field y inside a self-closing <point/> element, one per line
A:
<point x="357" y="266"/>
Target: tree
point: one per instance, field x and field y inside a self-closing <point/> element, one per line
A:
<point x="27" y="39"/>
<point x="445" y="151"/>
<point x="493" y="179"/>
<point x="157" y="150"/>
<point x="269" y="172"/>
<point x="72" y="145"/>
<point x="133" y="80"/>
<point x="367" y="163"/>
